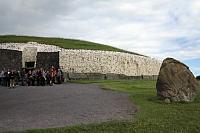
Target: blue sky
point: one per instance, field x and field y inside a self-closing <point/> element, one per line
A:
<point x="194" y="65"/>
<point x="157" y="28"/>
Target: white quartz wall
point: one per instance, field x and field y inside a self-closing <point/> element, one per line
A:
<point x="94" y="61"/>
<point x="89" y="61"/>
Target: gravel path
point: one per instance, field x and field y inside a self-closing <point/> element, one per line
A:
<point x="60" y="105"/>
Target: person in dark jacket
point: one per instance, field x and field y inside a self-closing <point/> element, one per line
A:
<point x="23" y="77"/>
<point x="12" y="79"/>
<point x="7" y="78"/>
<point x="33" y="77"/>
<point x="59" y="76"/>
<point x="38" y="77"/>
<point x="48" y="77"/>
<point x="29" y="78"/>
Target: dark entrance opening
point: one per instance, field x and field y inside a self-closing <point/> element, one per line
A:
<point x="47" y="59"/>
<point x="29" y="65"/>
<point x="10" y="59"/>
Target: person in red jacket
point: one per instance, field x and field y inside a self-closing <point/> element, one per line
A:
<point x="53" y="75"/>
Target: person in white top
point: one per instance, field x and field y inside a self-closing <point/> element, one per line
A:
<point x="2" y="77"/>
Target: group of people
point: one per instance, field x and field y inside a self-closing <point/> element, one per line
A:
<point x="31" y="77"/>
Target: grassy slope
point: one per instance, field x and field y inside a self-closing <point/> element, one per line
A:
<point x="153" y="116"/>
<point x="64" y="43"/>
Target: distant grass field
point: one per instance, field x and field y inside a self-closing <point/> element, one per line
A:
<point x="153" y="116"/>
<point x="64" y="43"/>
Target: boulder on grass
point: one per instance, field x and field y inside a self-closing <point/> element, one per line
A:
<point x="176" y="82"/>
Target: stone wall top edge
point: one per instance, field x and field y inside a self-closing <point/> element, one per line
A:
<point x="57" y="48"/>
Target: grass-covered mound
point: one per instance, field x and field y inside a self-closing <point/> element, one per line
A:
<point x="153" y="116"/>
<point x="64" y="43"/>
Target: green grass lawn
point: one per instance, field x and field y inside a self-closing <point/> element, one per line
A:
<point x="64" y="43"/>
<point x="154" y="116"/>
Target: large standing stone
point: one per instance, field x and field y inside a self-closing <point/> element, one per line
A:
<point x="175" y="81"/>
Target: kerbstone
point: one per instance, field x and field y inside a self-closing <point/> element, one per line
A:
<point x="176" y="82"/>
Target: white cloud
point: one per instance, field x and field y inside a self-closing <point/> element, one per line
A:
<point x="158" y="28"/>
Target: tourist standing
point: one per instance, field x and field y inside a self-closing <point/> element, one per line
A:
<point x="43" y="78"/>
<point x="7" y="78"/>
<point x="23" y="77"/>
<point x="48" y="78"/>
<point x="33" y="77"/>
<point x="2" y="77"/>
<point x="12" y="79"/>
<point x="38" y="75"/>
<point x="17" y="77"/>
<point x="52" y="74"/>
<point x="59" y="76"/>
<point x="29" y="78"/>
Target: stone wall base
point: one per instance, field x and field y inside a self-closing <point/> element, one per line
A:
<point x="109" y="76"/>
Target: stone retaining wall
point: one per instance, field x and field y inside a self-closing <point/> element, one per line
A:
<point x="95" y="61"/>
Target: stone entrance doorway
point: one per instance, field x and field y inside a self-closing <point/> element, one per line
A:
<point x="30" y="64"/>
<point x="29" y="56"/>
<point x="33" y="58"/>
